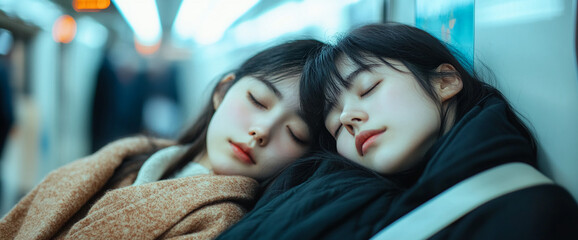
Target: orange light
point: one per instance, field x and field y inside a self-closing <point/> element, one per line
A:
<point x="64" y="29"/>
<point x="90" y="5"/>
<point x="146" y="49"/>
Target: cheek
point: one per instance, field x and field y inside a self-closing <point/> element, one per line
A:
<point x="391" y="100"/>
<point x="282" y="153"/>
<point x="235" y="110"/>
<point x="285" y="148"/>
<point x="232" y="118"/>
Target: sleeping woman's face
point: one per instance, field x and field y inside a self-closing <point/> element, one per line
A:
<point x="384" y="120"/>
<point x="257" y="128"/>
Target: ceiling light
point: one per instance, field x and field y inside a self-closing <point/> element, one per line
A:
<point x="143" y="17"/>
<point x="206" y="21"/>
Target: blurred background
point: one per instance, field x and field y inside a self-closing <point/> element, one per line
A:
<point x="77" y="74"/>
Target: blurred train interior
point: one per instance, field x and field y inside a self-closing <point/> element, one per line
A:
<point x="77" y="74"/>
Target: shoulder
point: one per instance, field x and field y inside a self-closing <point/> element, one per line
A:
<point x="136" y="144"/>
<point x="325" y="171"/>
<point x="221" y="183"/>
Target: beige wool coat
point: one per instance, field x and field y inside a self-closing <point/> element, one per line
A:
<point x="67" y="204"/>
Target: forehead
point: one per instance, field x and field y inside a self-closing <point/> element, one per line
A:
<point x="349" y="68"/>
<point x="346" y="65"/>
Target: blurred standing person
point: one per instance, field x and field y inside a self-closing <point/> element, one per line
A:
<point x="118" y="100"/>
<point x="162" y="107"/>
<point x="6" y="110"/>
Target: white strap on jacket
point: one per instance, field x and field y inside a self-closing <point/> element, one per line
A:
<point x="445" y="208"/>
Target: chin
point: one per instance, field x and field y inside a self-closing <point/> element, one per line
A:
<point x="388" y="166"/>
<point x="229" y="171"/>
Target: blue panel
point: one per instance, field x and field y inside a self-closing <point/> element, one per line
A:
<point x="451" y="21"/>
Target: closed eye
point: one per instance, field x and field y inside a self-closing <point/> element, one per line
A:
<point x="255" y="101"/>
<point x="295" y="138"/>
<point x="370" y="89"/>
<point x="336" y="133"/>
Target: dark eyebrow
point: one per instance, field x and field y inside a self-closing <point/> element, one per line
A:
<point x="271" y="87"/>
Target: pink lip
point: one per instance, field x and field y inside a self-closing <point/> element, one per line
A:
<point x="364" y="140"/>
<point x="242" y="152"/>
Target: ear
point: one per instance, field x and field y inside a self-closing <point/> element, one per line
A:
<point x="449" y="84"/>
<point x="221" y="89"/>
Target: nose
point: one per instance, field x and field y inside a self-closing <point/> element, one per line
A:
<point x="352" y="118"/>
<point x="260" y="135"/>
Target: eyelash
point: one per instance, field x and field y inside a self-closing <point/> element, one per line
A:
<point x="370" y="89"/>
<point x="338" y="129"/>
<point x="299" y="141"/>
<point x="255" y="101"/>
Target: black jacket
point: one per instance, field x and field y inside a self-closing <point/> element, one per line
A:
<point x="327" y="197"/>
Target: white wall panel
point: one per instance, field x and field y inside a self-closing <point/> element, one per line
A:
<point x="530" y="47"/>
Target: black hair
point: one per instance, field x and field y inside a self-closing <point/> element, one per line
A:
<point x="419" y="51"/>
